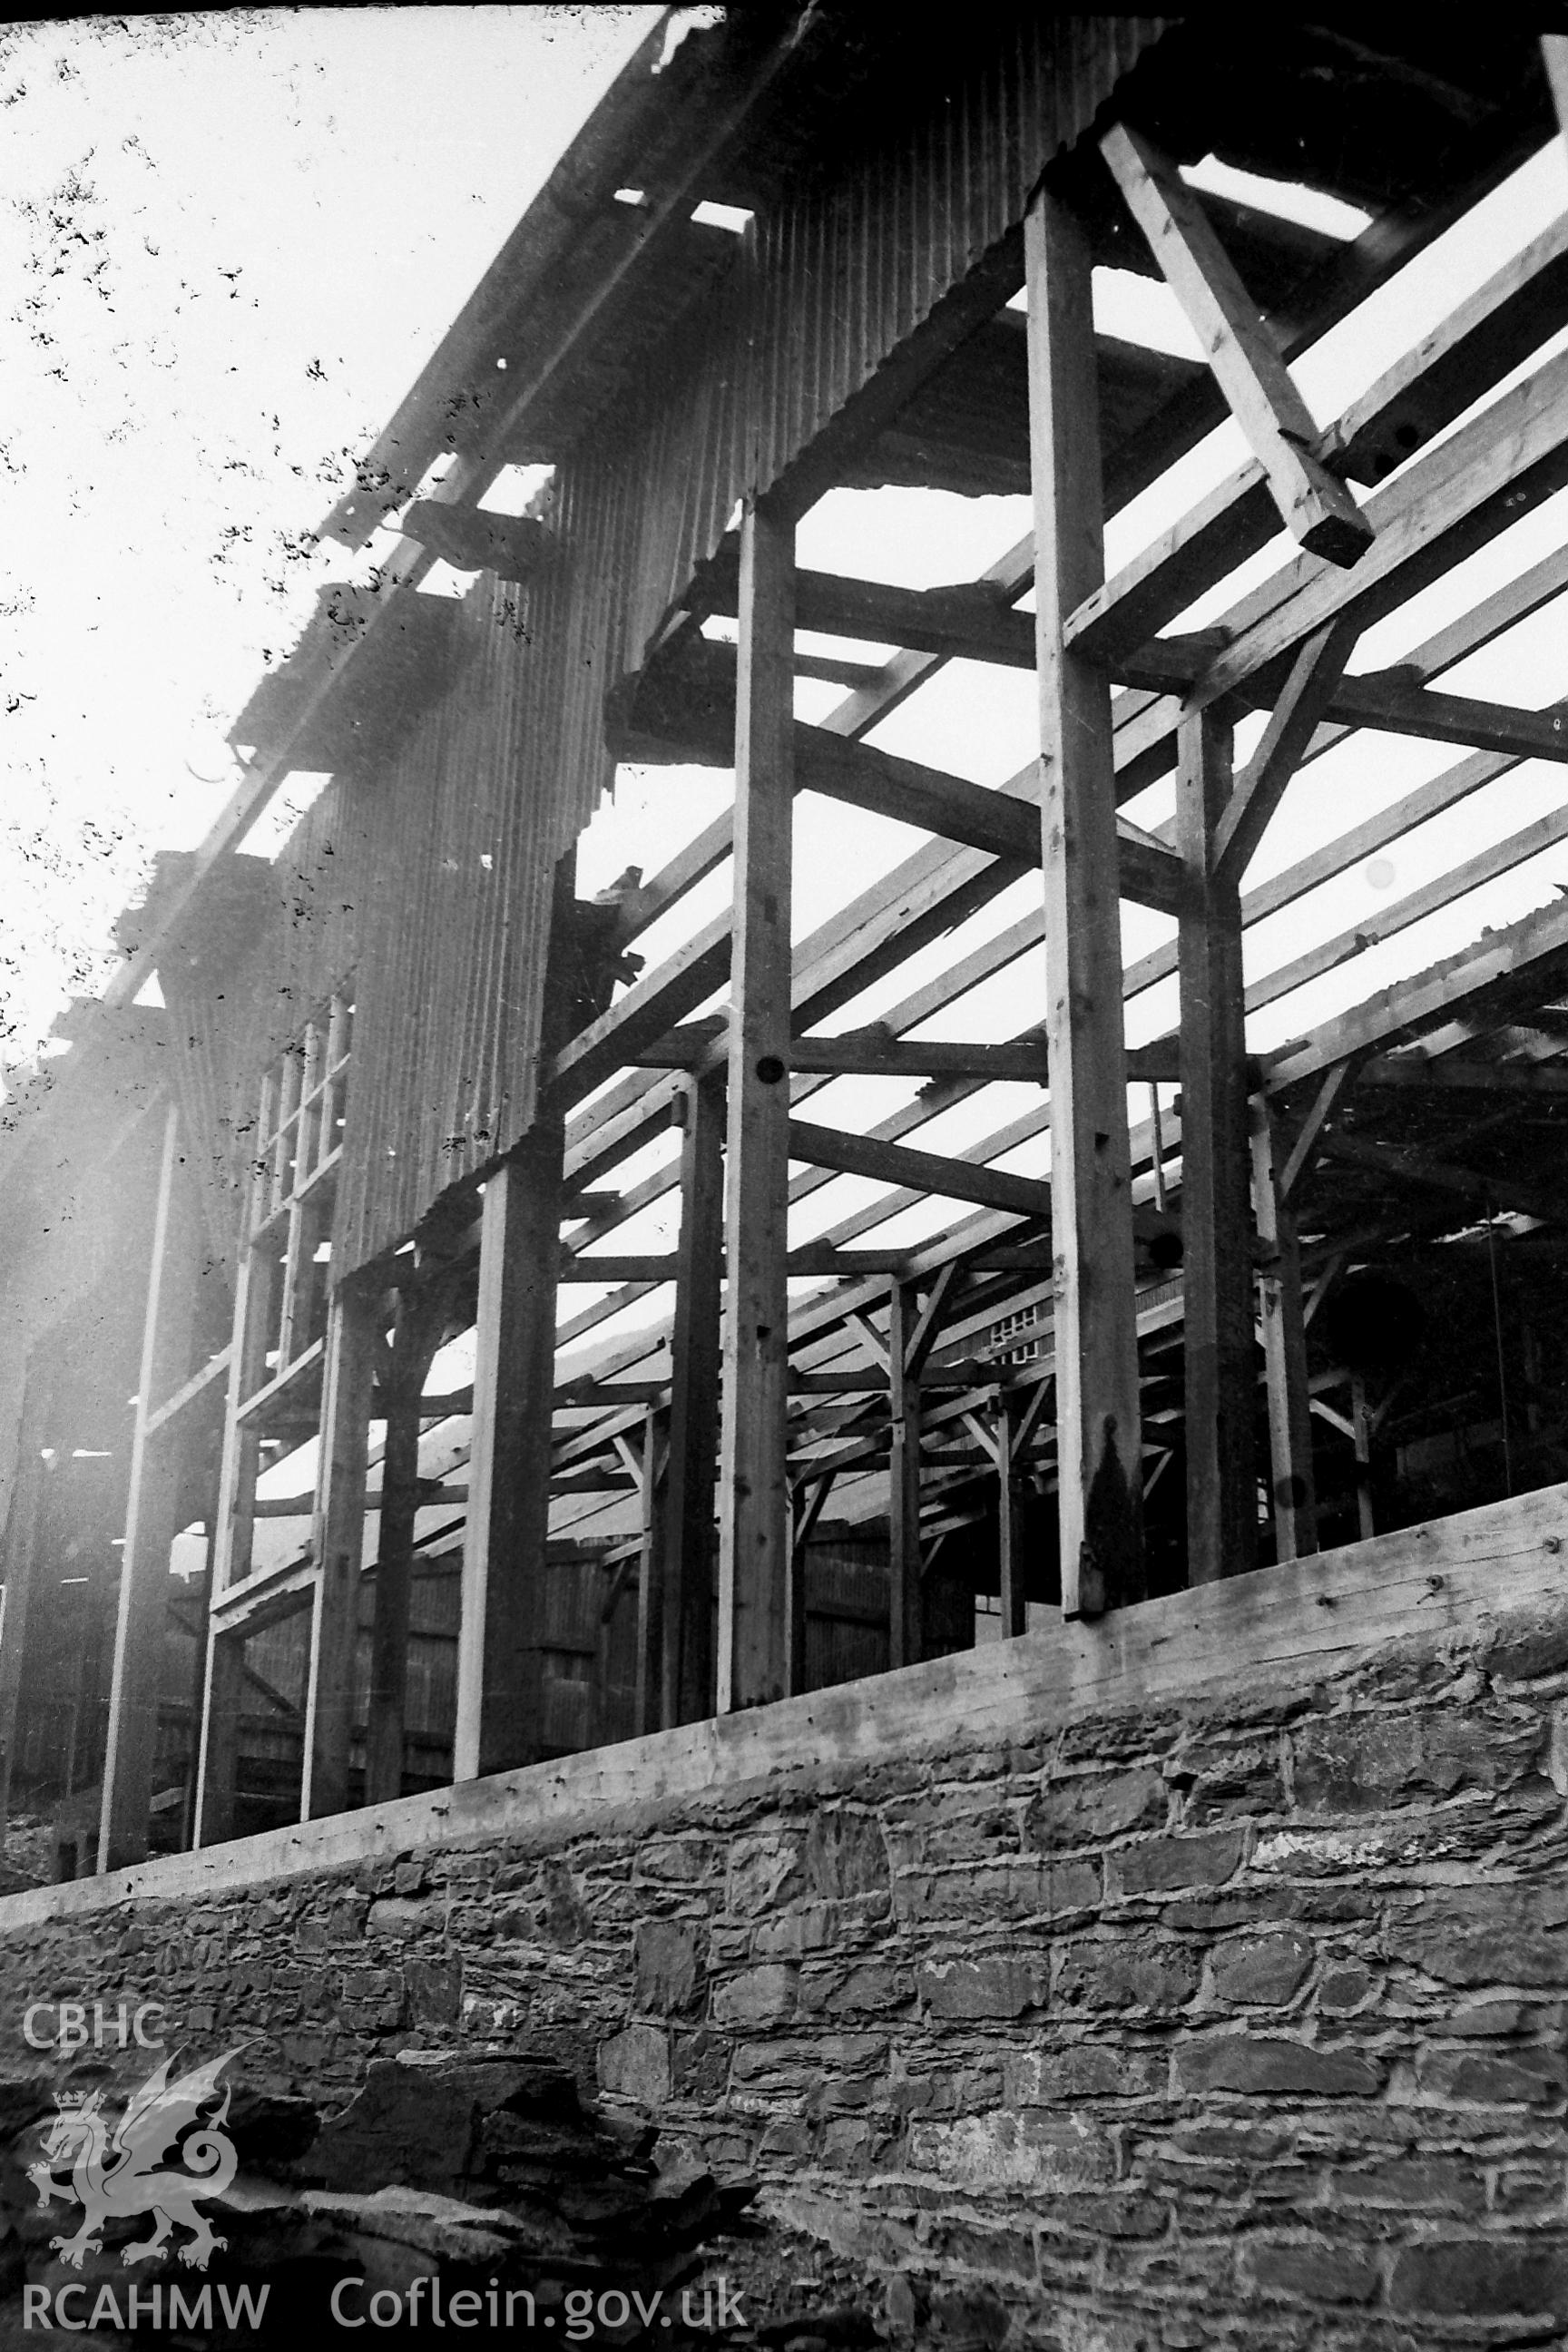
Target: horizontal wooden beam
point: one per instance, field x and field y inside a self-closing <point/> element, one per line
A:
<point x="1486" y="1191"/>
<point x="1424" y="1074"/>
<point x="1395" y="702"/>
<point x="874" y="1052"/>
<point x="1501" y="959"/>
<point x="926" y="1171"/>
<point x="812" y="1258"/>
<point x="971" y="621"/>
<point x="201" y="1383"/>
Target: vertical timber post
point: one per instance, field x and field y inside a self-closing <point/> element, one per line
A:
<point x="906" y="1638"/>
<point x="19" y="1557"/>
<point x="1216" y="1222"/>
<point x="1293" y="1489"/>
<point x="151" y="1520"/>
<point x="1009" y="1552"/>
<point x="339" y="1542"/>
<point x="499" y="1663"/>
<point x="689" y="1521"/>
<point x="650" y="1576"/>
<point x="1098" y="1418"/>
<point x="755" y="1567"/>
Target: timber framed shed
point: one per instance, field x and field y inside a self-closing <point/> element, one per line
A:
<point x="592" y="1353"/>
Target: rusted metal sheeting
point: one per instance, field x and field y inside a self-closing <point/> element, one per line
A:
<point x="833" y="282"/>
<point x="464" y="825"/>
<point x="425" y="881"/>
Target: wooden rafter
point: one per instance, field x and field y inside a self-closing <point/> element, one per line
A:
<point x="1317" y="508"/>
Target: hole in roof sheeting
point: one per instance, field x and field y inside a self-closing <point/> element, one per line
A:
<point x="729" y="217"/>
<point x="1143" y="311"/>
<point x="682" y="21"/>
<point x="1286" y="199"/>
<point x="276" y="822"/>
<point x="149" y="994"/>
<point x="442" y="581"/>
<point x="516" y="490"/>
<point x="630" y="196"/>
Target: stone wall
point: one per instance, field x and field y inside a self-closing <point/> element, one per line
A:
<point x="1197" y="1979"/>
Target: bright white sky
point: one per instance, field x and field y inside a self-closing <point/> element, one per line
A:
<point x="229" y="242"/>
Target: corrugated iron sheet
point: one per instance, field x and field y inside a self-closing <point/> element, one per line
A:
<point x="827" y="286"/>
<point x="428" y="876"/>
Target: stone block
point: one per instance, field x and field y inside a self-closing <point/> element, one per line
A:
<point x="1265" y="2067"/>
<point x="1526" y="1652"/>
<point x="700" y="2066"/>
<point x="1511" y="1933"/>
<point x="1160" y="1865"/>
<point x="862" y="1991"/>
<point x="1114" y="2213"/>
<point x="968" y="2246"/>
<point x="845" y="1854"/>
<point x="1324" y="2271"/>
<point x="1529" y="2188"/>
<point x="1417" y="2184"/>
<point x="401" y="1914"/>
<point x="1014" y="2148"/>
<point x="805" y="1927"/>
<point x="1486" y="2020"/>
<point x="1369" y="1764"/>
<point x="757" y="1995"/>
<point x="562" y="1916"/>
<point x="1487" y="2078"/>
<point x="634" y="2065"/>
<point x="977" y="1989"/>
<point x="764" y="1870"/>
<point x="1346" y="1988"/>
<point x="1089" y="1808"/>
<point x="1481" y="2278"/>
<point x="346" y="1919"/>
<point x="798" y="2063"/>
<point x="1125" y="1972"/>
<point x="676" y="1861"/>
<point x="1226" y="1779"/>
<point x="1265" y="1970"/>
<point x="667" y="1973"/>
<point x="432" y="1989"/>
<point x="1084" y="2069"/>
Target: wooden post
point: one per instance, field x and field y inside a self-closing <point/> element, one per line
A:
<point x="905" y="1621"/>
<point x="1364" y="1427"/>
<point x="499" y="1685"/>
<point x="151" y="1519"/>
<point x="687" y="1695"/>
<point x="19" y="1554"/>
<point x="1099" y="1437"/>
<point x="1292" y="1489"/>
<point x="338" y="1541"/>
<point x="1009" y="1558"/>
<point x="651" y="1572"/>
<point x="754" y="1548"/>
<point x="1217" y="1225"/>
<point x="220" y="1734"/>
<point x="218" y="1745"/>
<point x="388" y="1705"/>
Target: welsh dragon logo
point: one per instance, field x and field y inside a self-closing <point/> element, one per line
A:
<point x="112" y="2178"/>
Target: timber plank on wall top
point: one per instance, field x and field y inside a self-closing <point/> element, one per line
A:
<point x="1287" y="1627"/>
